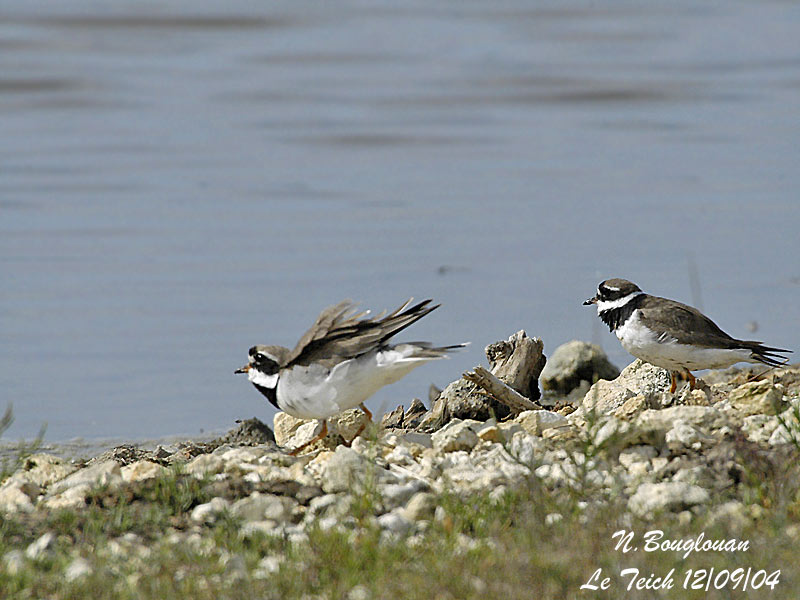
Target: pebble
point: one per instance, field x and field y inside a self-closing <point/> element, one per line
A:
<point x="143" y="469"/>
<point x="757" y="397"/>
<point x="268" y="566"/>
<point x="13" y="498"/>
<point x="79" y="567"/>
<point x="456" y="435"/>
<point x="209" y="512"/>
<point x="14" y="561"/>
<point x="347" y="470"/>
<point x="106" y="473"/>
<point x="395" y="522"/>
<point x="536" y="422"/>
<point x="421" y="506"/>
<point x="263" y="507"/>
<point x="41" y="547"/>
<point x="667" y="495"/>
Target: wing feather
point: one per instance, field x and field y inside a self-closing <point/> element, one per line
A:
<point x="340" y="332"/>
<point x="684" y="323"/>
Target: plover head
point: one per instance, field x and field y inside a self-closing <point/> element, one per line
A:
<point x="613" y="294"/>
<point x="263" y="368"/>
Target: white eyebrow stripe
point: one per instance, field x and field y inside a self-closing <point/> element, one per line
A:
<point x="604" y="305"/>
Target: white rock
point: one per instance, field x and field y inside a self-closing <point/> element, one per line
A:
<point x="496" y="458"/>
<point x="305" y="433"/>
<point x="395" y="522"/>
<point x="105" y="473"/>
<point x="204" y="465"/>
<point x="498" y="494"/>
<point x="80" y="567"/>
<point x="491" y="433"/>
<point x="488" y="466"/>
<point x="328" y="523"/>
<point x="526" y="448"/>
<point x="13" y="499"/>
<point x="25" y="482"/>
<point x="284" y="426"/>
<point x="347" y="470"/>
<point x="41" y="547"/>
<point x="536" y="422"/>
<point x="667" y="495"/>
<point x="399" y="455"/>
<point x="699" y="416"/>
<point x="683" y="435"/>
<point x="639" y="470"/>
<point x="651" y="426"/>
<point x="14" y="561"/>
<point x="415" y="437"/>
<point x="208" y="512"/>
<point x="73" y="497"/>
<point x="556" y="473"/>
<point x="45" y="469"/>
<point x="509" y="429"/>
<point x="732" y="513"/>
<point x="613" y="429"/>
<point x="469" y="479"/>
<point x="632" y="407"/>
<point x="636" y="454"/>
<point x="757" y="397"/>
<point x="329" y="505"/>
<point x="234" y="457"/>
<point x="422" y="505"/>
<point x="251" y="528"/>
<point x="553" y="518"/>
<point x="268" y="566"/>
<point x="659" y="463"/>
<point x="142" y="469"/>
<point x="759" y="428"/>
<point x="605" y="397"/>
<point x="235" y="567"/>
<point x="358" y="592"/>
<point x="397" y="494"/>
<point x="264" y="507"/>
<point x="787" y="432"/>
<point x="456" y="435"/>
<point x="350" y="423"/>
<point x="363" y="447"/>
<point x="699" y="475"/>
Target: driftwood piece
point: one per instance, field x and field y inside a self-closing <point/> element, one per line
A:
<point x="499" y="390"/>
<point x="518" y="362"/>
<point x="510" y="388"/>
<point x="394" y="419"/>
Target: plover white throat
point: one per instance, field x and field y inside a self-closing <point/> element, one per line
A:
<point x="672" y="335"/>
<point x="342" y="360"/>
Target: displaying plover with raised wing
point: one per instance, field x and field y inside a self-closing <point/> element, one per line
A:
<point x="672" y="335"/>
<point x="342" y="360"/>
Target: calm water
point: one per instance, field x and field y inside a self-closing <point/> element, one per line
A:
<point x="178" y="183"/>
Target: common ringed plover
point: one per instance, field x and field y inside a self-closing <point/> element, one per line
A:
<point x="672" y="335"/>
<point x="342" y="360"/>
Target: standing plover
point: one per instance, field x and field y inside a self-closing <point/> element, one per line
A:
<point x="343" y="359"/>
<point x="672" y="335"/>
